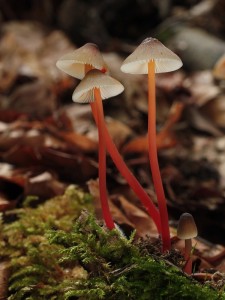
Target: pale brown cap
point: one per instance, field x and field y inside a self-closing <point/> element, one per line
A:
<point x="151" y="49"/>
<point x="74" y="63"/>
<point x="186" y="227"/>
<point x="109" y="87"/>
<point x="219" y="68"/>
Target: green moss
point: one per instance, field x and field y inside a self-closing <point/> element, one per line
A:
<point x="55" y="257"/>
<point x="23" y="242"/>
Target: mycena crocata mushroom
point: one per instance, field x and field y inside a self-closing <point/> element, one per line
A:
<point x="96" y="87"/>
<point x="77" y="64"/>
<point x="186" y="231"/>
<point x="151" y="57"/>
<point x="81" y="60"/>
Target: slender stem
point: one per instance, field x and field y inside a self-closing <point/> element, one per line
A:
<point x="102" y="162"/>
<point x="187" y="255"/>
<point x="128" y="175"/>
<point x="153" y="157"/>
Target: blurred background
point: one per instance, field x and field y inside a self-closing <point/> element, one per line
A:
<point x="116" y="24"/>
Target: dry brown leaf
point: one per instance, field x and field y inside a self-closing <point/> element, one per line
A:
<point x="168" y="82"/>
<point x="35" y="99"/>
<point x="200" y="122"/>
<point x="80" y="142"/>
<point x="219" y="68"/>
<point x="141" y="220"/>
<point x="202" y="87"/>
<point x="117" y="214"/>
<point x="118" y="131"/>
<point x="214" y="110"/>
<point x="70" y="166"/>
<point x="44" y="186"/>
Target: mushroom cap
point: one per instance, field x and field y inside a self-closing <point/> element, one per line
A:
<point x="151" y="49"/>
<point x="74" y="63"/>
<point x="109" y="87"/>
<point x="186" y="227"/>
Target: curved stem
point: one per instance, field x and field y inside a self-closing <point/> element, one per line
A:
<point x="102" y="162"/>
<point x="128" y="175"/>
<point x="153" y="157"/>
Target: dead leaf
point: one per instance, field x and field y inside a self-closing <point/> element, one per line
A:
<point x="202" y="87"/>
<point x="141" y="220"/>
<point x="214" y="110"/>
<point x="200" y="122"/>
<point x="44" y="186"/>
<point x="219" y="68"/>
<point x="35" y="99"/>
<point x="79" y="142"/>
<point x="165" y="138"/>
<point x="117" y="215"/>
<point x="119" y="132"/>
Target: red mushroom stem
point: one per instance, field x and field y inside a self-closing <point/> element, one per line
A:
<point x="153" y="157"/>
<point x="101" y="157"/>
<point x="128" y="175"/>
<point x="102" y="161"/>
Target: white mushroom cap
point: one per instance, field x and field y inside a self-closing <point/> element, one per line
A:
<point x="186" y="227"/>
<point x="109" y="87"/>
<point x="74" y="63"/>
<point x="151" y="49"/>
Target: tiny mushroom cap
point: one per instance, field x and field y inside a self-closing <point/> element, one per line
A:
<point x="108" y="86"/>
<point x="186" y="227"/>
<point x="74" y="63"/>
<point x="151" y="50"/>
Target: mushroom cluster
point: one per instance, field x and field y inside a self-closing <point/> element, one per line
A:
<point x="86" y="63"/>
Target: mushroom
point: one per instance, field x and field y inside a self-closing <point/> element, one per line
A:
<point x="151" y="57"/>
<point x="77" y="64"/>
<point x="96" y="87"/>
<point x="81" y="60"/>
<point x="187" y="230"/>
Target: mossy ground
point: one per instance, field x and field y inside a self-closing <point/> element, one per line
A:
<point x="56" y="251"/>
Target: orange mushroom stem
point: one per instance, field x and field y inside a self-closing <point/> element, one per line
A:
<point x="153" y="157"/>
<point x="102" y="161"/>
<point x="128" y="175"/>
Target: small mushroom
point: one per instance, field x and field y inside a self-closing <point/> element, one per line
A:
<point x="95" y="87"/>
<point x="151" y="57"/>
<point x="187" y="230"/>
<point x="81" y="60"/>
<point x="77" y="64"/>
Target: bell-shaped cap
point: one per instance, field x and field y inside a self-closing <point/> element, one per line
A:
<point x="151" y="50"/>
<point x="74" y="63"/>
<point x="108" y="86"/>
<point x="186" y="227"/>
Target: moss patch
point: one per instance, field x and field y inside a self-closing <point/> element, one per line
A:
<point x="52" y="256"/>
